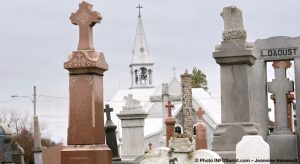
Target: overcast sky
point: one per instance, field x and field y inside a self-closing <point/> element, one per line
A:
<point x="36" y="38"/>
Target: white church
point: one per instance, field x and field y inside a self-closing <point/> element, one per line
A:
<point x="154" y="97"/>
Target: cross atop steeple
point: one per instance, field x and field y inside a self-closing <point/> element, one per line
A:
<point x="139" y="7"/>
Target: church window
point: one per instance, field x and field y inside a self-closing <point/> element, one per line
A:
<point x="178" y="129"/>
<point x="195" y="129"/>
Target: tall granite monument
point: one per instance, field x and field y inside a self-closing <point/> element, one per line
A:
<point x="235" y="56"/>
<point x="86" y="137"/>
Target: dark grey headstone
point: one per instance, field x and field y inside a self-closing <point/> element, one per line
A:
<point x="17" y="154"/>
<point x="110" y="134"/>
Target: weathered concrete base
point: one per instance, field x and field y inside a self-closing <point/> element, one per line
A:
<point x="283" y="147"/>
<point x="124" y="162"/>
<point x="227" y="135"/>
<point x="86" y="154"/>
<point x="38" y="159"/>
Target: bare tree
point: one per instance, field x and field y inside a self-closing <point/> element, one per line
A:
<point x="15" y="120"/>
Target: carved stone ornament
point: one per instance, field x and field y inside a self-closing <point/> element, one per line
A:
<point x="233" y="24"/>
<point x="86" y="59"/>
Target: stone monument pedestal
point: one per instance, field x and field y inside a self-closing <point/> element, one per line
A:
<point x="227" y="135"/>
<point x="283" y="147"/>
<point x="132" y="121"/>
<point x="86" y="154"/>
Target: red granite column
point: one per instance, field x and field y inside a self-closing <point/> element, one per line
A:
<point x="170" y="123"/>
<point x="201" y="137"/>
<point x="86" y="137"/>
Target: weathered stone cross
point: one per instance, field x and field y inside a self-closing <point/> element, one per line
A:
<point x="169" y="106"/>
<point x="281" y="86"/>
<point x="130" y="102"/>
<point x="200" y="113"/>
<point x="85" y="18"/>
<point x="107" y="110"/>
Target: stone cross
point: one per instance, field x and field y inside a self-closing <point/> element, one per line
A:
<point x="169" y="106"/>
<point x="281" y="86"/>
<point x="130" y="101"/>
<point x="107" y="110"/>
<point x="85" y="18"/>
<point x="200" y="113"/>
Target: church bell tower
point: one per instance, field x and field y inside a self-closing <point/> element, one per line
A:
<point x="141" y="67"/>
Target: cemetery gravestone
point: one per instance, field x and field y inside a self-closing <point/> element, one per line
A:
<point x="170" y="122"/>
<point x="278" y="48"/>
<point x="201" y="133"/>
<point x="282" y="141"/>
<point x="110" y="132"/>
<point x="5" y="144"/>
<point x="86" y="136"/>
<point x="235" y="56"/>
<point x="253" y="149"/>
<point x="17" y="154"/>
<point x="132" y="121"/>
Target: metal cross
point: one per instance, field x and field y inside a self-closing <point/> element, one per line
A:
<point x="107" y="110"/>
<point x="169" y="106"/>
<point x="139" y="7"/>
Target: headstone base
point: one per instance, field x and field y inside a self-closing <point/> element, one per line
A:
<point x="227" y="135"/>
<point x="165" y="155"/>
<point x="283" y="148"/>
<point x="86" y="154"/>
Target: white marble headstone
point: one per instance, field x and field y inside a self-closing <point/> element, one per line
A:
<point x="253" y="148"/>
<point x="166" y="156"/>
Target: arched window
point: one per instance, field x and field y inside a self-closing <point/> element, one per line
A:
<point x="178" y="129"/>
<point x="195" y="129"/>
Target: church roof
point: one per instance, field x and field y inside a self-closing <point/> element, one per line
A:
<point x="153" y="124"/>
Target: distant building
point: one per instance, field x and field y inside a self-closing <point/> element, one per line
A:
<point x="153" y="98"/>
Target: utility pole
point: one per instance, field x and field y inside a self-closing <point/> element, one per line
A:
<point x="37" y="149"/>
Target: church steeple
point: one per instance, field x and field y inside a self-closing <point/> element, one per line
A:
<point x="141" y="64"/>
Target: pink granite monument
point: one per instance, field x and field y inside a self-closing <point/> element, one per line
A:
<point x="86" y="136"/>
